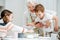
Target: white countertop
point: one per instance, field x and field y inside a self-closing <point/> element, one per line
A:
<point x="40" y="38"/>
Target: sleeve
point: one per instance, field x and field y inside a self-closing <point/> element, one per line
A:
<point x="19" y="29"/>
<point x="49" y="17"/>
<point x="53" y="13"/>
<point x="10" y="23"/>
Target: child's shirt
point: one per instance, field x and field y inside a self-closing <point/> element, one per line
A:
<point x="46" y="18"/>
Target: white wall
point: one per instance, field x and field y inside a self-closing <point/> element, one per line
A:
<point x="2" y="4"/>
<point x="49" y="4"/>
<point x="58" y="10"/>
<point x="17" y="7"/>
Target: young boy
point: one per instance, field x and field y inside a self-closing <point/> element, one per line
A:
<point x="44" y="20"/>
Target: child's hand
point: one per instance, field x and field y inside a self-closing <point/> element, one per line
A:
<point x="39" y="25"/>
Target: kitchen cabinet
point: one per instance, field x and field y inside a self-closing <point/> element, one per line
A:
<point x="2" y="2"/>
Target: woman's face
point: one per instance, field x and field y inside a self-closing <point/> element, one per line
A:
<point x="31" y="7"/>
<point x="10" y="17"/>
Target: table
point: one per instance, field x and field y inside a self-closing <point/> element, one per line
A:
<point x="40" y="38"/>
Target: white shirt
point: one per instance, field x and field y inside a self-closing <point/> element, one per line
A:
<point x="46" y="17"/>
<point x="27" y="16"/>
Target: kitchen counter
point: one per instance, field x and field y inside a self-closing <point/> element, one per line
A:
<point x="40" y="38"/>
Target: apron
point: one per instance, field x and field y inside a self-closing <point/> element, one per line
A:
<point x="31" y="17"/>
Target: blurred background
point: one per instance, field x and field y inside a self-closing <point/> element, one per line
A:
<point x="18" y="8"/>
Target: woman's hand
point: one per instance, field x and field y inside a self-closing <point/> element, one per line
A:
<point x="30" y="24"/>
<point x="26" y="30"/>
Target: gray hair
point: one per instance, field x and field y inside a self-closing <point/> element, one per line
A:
<point x="34" y="2"/>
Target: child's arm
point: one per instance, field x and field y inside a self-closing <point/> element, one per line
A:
<point x="56" y="23"/>
<point x="3" y="30"/>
